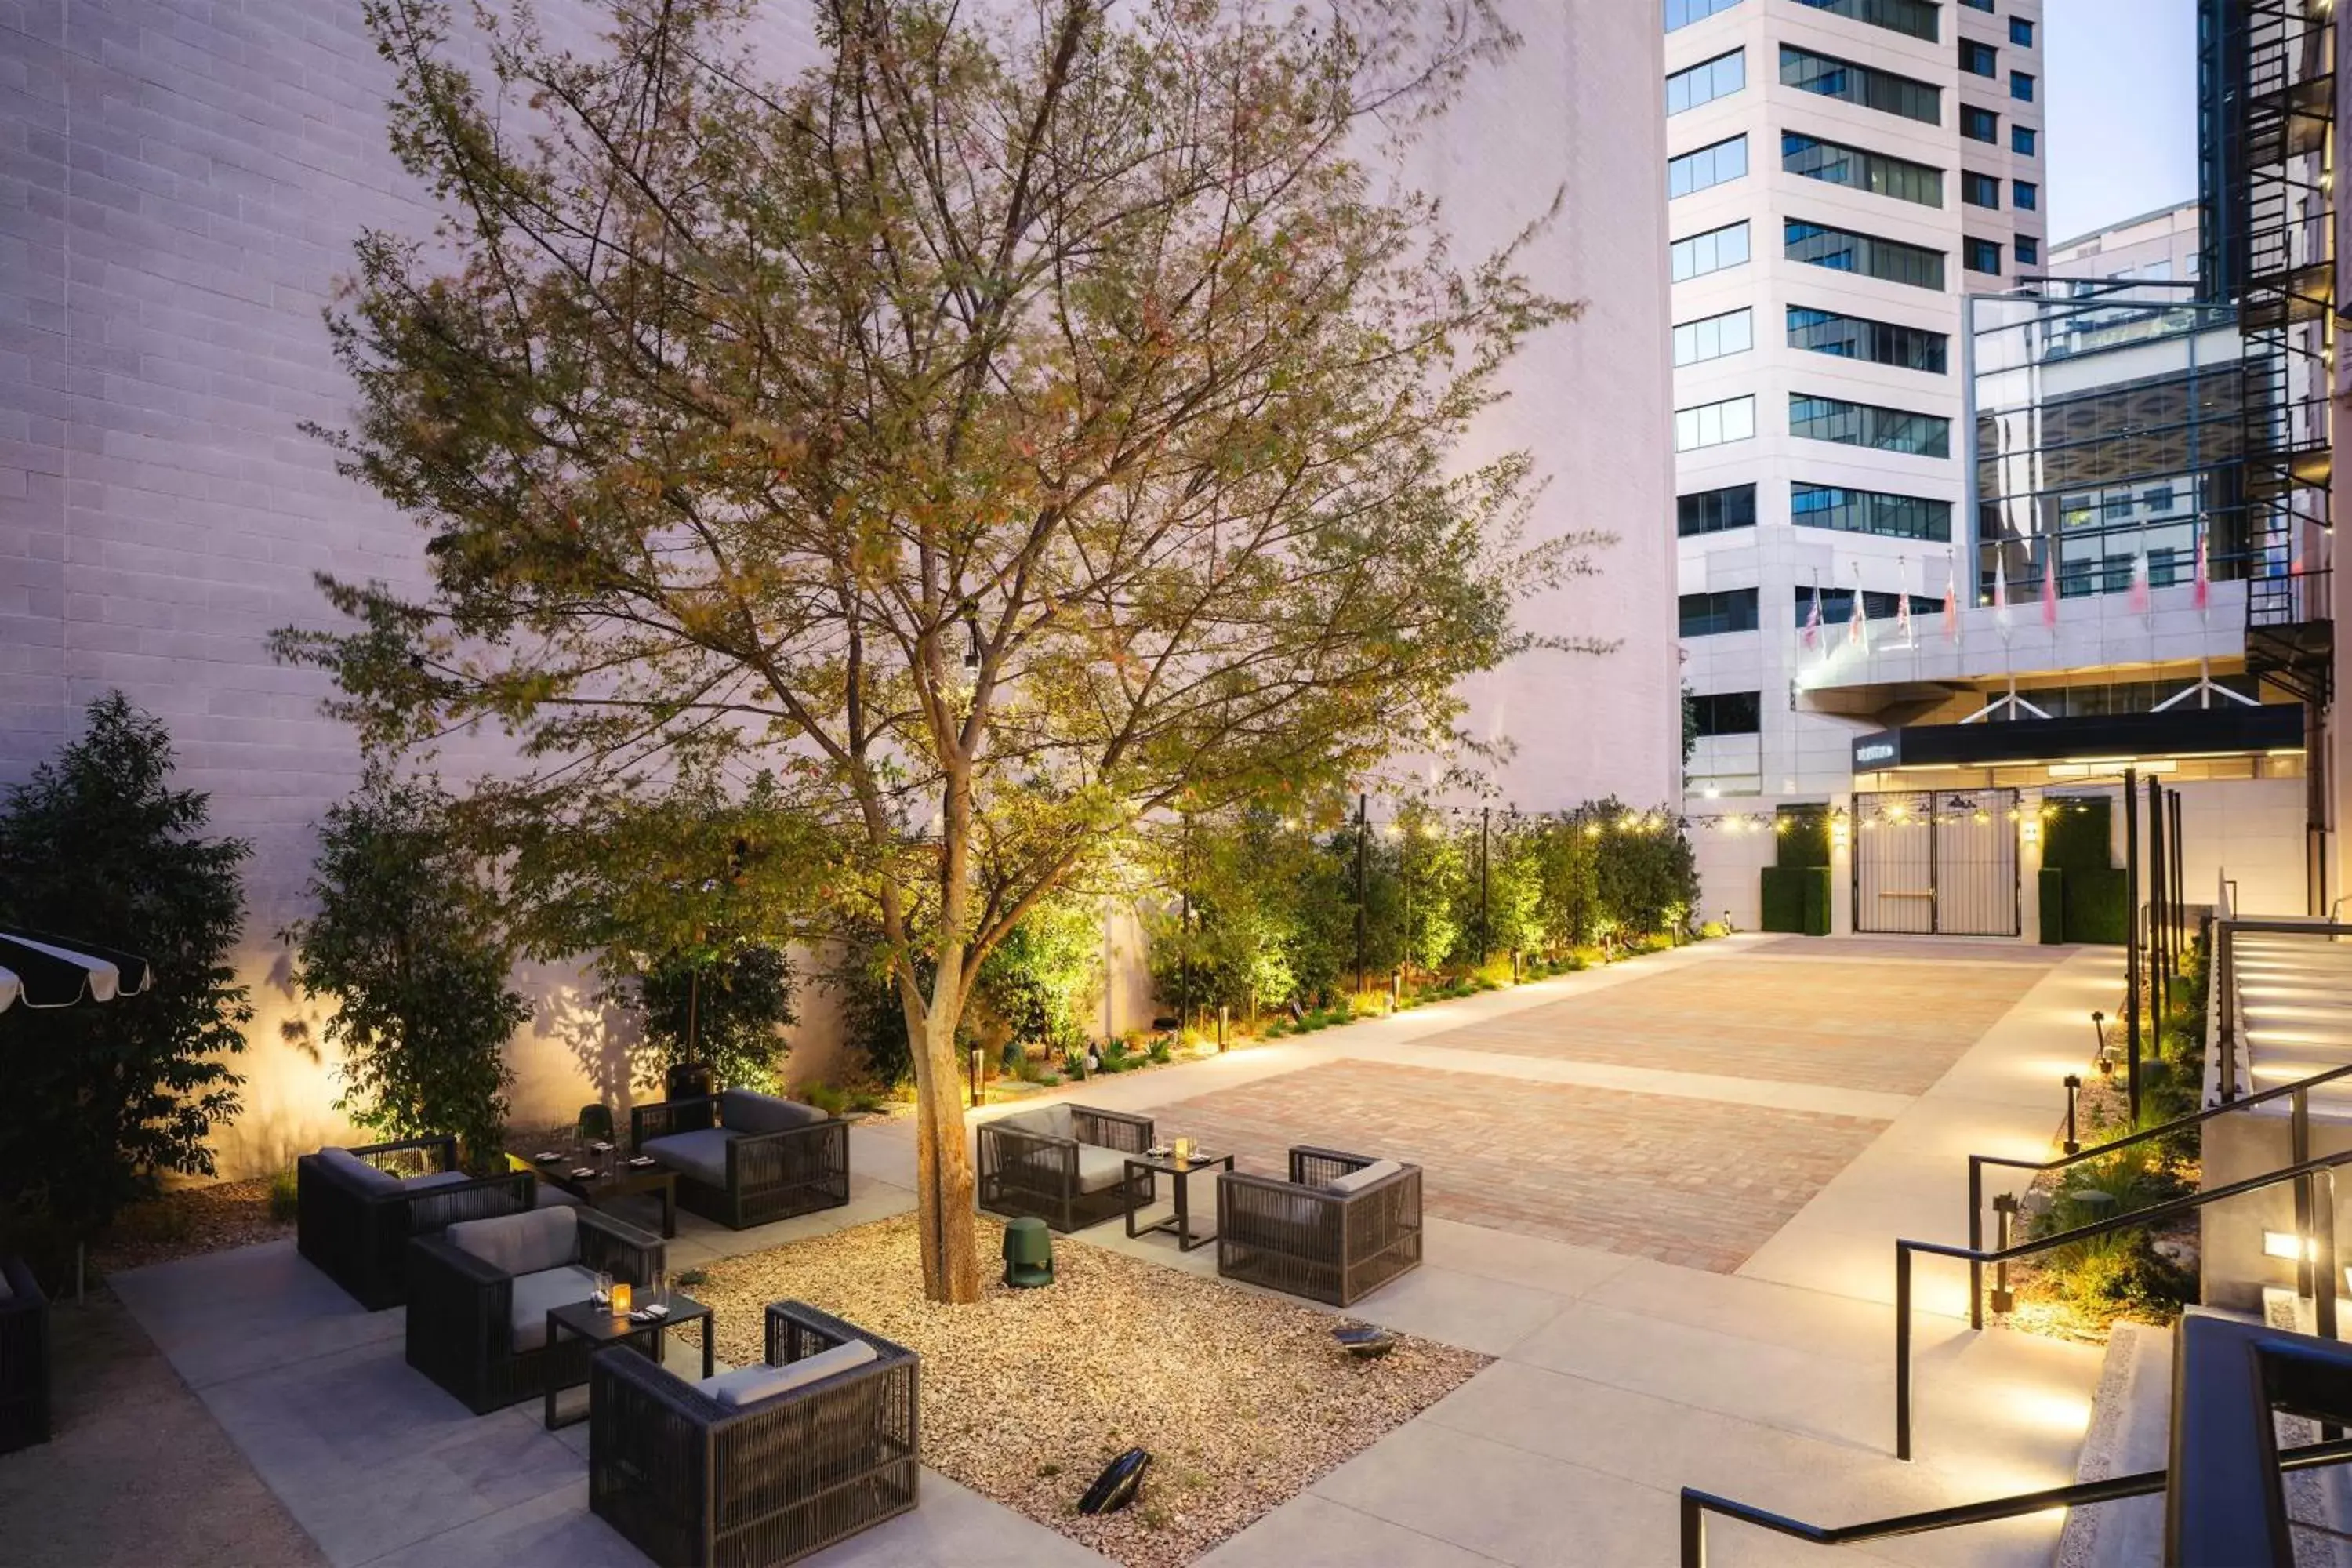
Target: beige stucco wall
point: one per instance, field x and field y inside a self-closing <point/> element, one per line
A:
<point x="180" y="189"/>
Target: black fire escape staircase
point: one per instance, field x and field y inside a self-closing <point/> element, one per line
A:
<point x="2286" y="109"/>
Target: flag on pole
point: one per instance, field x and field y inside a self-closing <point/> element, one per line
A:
<point x="1951" y="598"/>
<point x="2204" y="592"/>
<point x="1813" y="621"/>
<point x="2143" y="602"/>
<point x="1903" y="600"/>
<point x="1856" y="634"/>
<point x="2000" y="591"/>
<point x="2050" y="587"/>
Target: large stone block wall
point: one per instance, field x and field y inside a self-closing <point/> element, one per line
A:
<point x="180" y="183"/>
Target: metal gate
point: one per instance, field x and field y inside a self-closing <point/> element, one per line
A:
<point x="1936" y="862"/>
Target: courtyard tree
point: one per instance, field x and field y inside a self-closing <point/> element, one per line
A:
<point x="1031" y="422"/>
<point x="404" y="948"/>
<point x="98" y="845"/>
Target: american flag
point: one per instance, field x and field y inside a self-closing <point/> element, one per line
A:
<point x="1813" y="621"/>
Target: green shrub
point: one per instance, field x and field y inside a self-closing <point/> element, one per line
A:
<point x="826" y="1098"/>
<point x="284" y="1203"/>
<point x="1160" y="1052"/>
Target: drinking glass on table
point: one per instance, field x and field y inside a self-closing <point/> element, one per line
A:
<point x="603" y="1287"/>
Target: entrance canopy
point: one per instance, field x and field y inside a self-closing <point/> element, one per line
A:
<point x="44" y="971"/>
<point x="2117" y="737"/>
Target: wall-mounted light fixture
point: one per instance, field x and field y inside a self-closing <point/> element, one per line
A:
<point x="2286" y="1244"/>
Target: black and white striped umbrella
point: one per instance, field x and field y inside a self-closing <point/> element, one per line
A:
<point x="44" y="971"/>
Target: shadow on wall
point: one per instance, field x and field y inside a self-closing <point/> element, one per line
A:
<point x="599" y="1053"/>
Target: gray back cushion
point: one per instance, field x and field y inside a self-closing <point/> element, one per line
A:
<point x="1049" y="1120"/>
<point x="750" y="1384"/>
<point x="741" y="1110"/>
<point x="358" y="1172"/>
<point x="525" y="1243"/>
<point x="1357" y="1181"/>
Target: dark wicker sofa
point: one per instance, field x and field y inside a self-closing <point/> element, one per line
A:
<point x="1309" y="1237"/>
<point x="752" y="1469"/>
<point x="24" y="1358"/>
<point x="354" y="1214"/>
<point x="745" y="1159"/>
<point x="1064" y="1164"/>
<point x="479" y="1296"/>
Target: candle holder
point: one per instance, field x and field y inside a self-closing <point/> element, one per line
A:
<point x="1183" y="1150"/>
<point x="621" y="1294"/>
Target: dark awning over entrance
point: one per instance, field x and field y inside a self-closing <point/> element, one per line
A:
<point x="2177" y="733"/>
<point x="44" y="971"/>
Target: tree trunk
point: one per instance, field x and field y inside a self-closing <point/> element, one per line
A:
<point x="943" y="1172"/>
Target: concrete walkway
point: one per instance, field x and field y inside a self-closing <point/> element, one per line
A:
<point x="1767" y="1375"/>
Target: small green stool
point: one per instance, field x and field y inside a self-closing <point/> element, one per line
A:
<point x="1028" y="1254"/>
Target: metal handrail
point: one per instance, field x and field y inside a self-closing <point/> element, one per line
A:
<point x="2321" y="1232"/>
<point x="2299" y="1091"/>
<point x="1697" y="1505"/>
<point x="2225" y="981"/>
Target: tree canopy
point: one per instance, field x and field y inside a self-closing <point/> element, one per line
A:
<point x="1016" y="429"/>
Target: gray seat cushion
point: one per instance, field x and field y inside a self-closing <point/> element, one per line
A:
<point x="1046" y="1121"/>
<point x="702" y="1154"/>
<point x="1099" y="1169"/>
<point x="537" y="1294"/>
<point x="741" y="1110"/>
<point x="358" y="1172"/>
<point x="750" y="1384"/>
<point x="1357" y="1181"/>
<point x="528" y="1243"/>
<point x="437" y="1179"/>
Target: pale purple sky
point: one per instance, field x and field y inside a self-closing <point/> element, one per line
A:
<point x="2120" y="118"/>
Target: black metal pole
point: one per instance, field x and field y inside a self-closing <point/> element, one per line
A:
<point x="1362" y="807"/>
<point x="2179" y="875"/>
<point x="2131" y="942"/>
<point x="2074" y="1093"/>
<point x="1485" y="933"/>
<point x="2159" y="991"/>
<point x="1184" y="925"/>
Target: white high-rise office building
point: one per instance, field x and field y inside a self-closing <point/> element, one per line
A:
<point x="1840" y="174"/>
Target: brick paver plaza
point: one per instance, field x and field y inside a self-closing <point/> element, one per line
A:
<point x="1701" y="1178"/>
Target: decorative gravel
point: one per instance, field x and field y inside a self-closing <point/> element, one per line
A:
<point x="1242" y="1399"/>
<point x="190" y="1220"/>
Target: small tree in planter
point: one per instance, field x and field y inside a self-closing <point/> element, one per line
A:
<point x="722" y="1006"/>
<point x="97" y="844"/>
<point x="405" y="948"/>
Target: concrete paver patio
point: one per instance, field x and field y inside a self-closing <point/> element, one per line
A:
<point x="1623" y="1374"/>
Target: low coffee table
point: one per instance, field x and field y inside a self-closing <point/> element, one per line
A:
<point x="599" y="1191"/>
<point x="595" y="1323"/>
<point x="1178" y="1224"/>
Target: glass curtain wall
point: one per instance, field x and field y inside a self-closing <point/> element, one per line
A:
<point x="2107" y="426"/>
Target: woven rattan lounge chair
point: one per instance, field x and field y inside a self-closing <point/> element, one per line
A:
<point x="24" y="1358"/>
<point x="355" y="1213"/>
<point x="745" y="1159"/>
<point x="759" y="1466"/>
<point x="1064" y="1164"/>
<point x="1340" y="1228"/>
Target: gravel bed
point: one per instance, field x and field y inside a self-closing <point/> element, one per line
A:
<point x="1242" y="1399"/>
<point x="190" y="1220"/>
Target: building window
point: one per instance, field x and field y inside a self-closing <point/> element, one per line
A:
<point x="1715" y="512"/>
<point x="1728" y="713"/>
<point x="1865" y="85"/>
<point x="2020" y="31"/>
<point x="2020" y="86"/>
<point x="1875" y="171"/>
<point x="1979" y="190"/>
<point x="1868" y="425"/>
<point x="2029" y="250"/>
<point x="1837" y="605"/>
<point x="1707" y="82"/>
<point x="1710" y="252"/>
<point x="1979" y="124"/>
<point x="2026" y="195"/>
<point x="1978" y="59"/>
<point x="1870" y="511"/>
<point x="1915" y="18"/>
<point x="1843" y="250"/>
<point x="1709" y="166"/>
<point x="2022" y="141"/>
<point x="1983" y="6"/>
<point x="1681" y="13"/>
<point x="1880" y="343"/>
<point x="1715" y="424"/>
<point x="1733" y="332"/>
<point x="1982" y="255"/>
<point x="1712" y="615"/>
